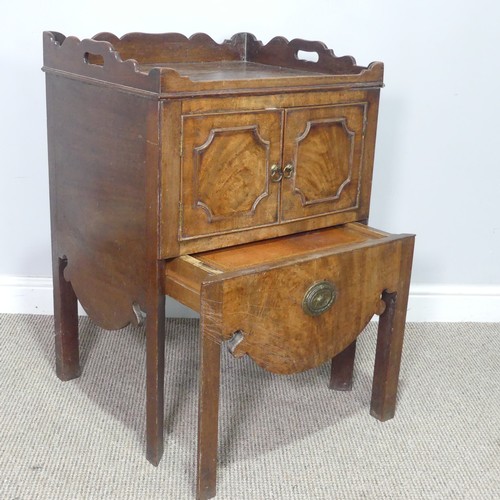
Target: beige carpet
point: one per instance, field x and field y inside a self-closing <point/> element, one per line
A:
<point x="281" y="437"/>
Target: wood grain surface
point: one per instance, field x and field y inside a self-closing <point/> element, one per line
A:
<point x="325" y="147"/>
<point x="226" y="163"/>
<point x="214" y="173"/>
<point x="99" y="168"/>
<point x="117" y="62"/>
<point x="264" y="283"/>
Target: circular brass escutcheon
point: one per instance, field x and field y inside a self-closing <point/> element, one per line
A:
<point x="319" y="298"/>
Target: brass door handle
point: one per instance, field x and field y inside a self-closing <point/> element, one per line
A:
<point x="276" y="173"/>
<point x="319" y="298"/>
<point x="288" y="171"/>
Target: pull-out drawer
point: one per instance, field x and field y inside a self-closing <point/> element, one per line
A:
<point x="291" y="303"/>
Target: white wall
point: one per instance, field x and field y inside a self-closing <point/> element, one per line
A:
<point x="437" y="171"/>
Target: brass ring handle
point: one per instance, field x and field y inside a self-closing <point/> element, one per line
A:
<point x="288" y="171"/>
<point x="276" y="173"/>
<point x="319" y="298"/>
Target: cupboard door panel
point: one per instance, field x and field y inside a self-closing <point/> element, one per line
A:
<point x="325" y="147"/>
<point x="226" y="163"/>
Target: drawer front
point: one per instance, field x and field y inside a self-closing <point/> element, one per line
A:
<point x="226" y="172"/>
<point x="323" y="147"/>
<point x="292" y="317"/>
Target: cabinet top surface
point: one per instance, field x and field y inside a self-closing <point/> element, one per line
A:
<point x="171" y="64"/>
<point x="219" y="71"/>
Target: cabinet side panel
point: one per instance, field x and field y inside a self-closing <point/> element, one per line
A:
<point x="103" y="155"/>
<point x="170" y="177"/>
<point x="369" y="152"/>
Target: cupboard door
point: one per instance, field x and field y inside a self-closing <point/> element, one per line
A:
<point x="323" y="157"/>
<point x="226" y="164"/>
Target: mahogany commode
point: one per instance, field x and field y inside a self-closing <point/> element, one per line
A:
<point x="235" y="178"/>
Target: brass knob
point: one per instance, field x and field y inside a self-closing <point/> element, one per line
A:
<point x="319" y="298"/>
<point x="276" y="173"/>
<point x="288" y="171"/>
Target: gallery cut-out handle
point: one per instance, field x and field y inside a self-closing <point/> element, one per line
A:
<point x="308" y="50"/>
<point x="308" y="55"/>
<point x="91" y="58"/>
<point x="98" y="53"/>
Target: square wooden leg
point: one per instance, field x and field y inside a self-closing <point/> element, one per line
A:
<point x="155" y="373"/>
<point x="342" y="369"/>
<point x="387" y="362"/>
<point x="390" y="342"/>
<point x="208" y="417"/>
<point x="66" y="324"/>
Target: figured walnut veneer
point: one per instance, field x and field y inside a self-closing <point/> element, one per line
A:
<point x="225" y="172"/>
<point x="261" y="287"/>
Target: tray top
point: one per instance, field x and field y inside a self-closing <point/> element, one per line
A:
<point x="171" y="64"/>
<point x="228" y="70"/>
